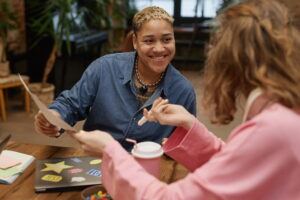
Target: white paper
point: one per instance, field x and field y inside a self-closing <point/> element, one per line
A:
<point x="53" y="119"/>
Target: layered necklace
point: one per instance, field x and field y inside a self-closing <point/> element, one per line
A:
<point x="144" y="88"/>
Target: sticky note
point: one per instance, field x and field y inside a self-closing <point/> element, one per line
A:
<point x="8" y="161"/>
<point x="9" y="171"/>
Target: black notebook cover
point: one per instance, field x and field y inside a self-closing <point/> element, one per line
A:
<point x="63" y="174"/>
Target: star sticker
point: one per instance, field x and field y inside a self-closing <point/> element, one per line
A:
<point x="57" y="167"/>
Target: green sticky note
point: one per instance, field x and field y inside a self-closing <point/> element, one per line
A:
<point x="9" y="172"/>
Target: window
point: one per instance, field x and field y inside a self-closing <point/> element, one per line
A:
<point x="206" y="8"/>
<point x="181" y="9"/>
<point x="168" y="5"/>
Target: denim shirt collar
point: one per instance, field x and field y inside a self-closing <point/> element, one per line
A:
<point x="128" y="73"/>
<point x="162" y="90"/>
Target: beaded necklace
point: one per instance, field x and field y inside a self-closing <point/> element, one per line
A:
<point x="145" y="86"/>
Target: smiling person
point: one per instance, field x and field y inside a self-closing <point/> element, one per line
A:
<point x="253" y="55"/>
<point x="115" y="88"/>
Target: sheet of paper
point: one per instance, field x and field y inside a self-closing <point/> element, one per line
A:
<point x="53" y="119"/>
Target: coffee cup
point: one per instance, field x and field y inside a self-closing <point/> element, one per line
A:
<point x="148" y="154"/>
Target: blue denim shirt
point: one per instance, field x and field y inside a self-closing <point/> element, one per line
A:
<point x="106" y="97"/>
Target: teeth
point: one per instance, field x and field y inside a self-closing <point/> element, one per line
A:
<point x="158" y="57"/>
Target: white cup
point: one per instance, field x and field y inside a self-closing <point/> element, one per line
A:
<point x="148" y="154"/>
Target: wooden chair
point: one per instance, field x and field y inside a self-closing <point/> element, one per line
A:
<point x="10" y="82"/>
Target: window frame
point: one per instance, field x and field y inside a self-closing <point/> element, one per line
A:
<point x="185" y="21"/>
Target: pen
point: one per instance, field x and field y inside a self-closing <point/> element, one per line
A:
<point x="143" y="120"/>
<point x="61" y="131"/>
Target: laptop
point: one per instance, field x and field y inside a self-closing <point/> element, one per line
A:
<point x="4" y="141"/>
<point x="65" y="174"/>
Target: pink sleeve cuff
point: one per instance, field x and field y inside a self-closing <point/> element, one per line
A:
<point x="194" y="147"/>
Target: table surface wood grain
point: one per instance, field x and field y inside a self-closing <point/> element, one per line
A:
<point x="23" y="187"/>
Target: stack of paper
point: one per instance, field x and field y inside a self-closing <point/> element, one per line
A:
<point x="12" y="164"/>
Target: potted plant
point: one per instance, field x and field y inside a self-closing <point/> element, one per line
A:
<point x="53" y="19"/>
<point x="8" y="22"/>
<point x="110" y="15"/>
<point x="60" y="18"/>
<point x="57" y="19"/>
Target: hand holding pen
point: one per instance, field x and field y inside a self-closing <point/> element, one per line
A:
<point x="148" y="114"/>
<point x="168" y="114"/>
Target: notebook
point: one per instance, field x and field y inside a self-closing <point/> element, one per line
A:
<point x="64" y="174"/>
<point x="11" y="172"/>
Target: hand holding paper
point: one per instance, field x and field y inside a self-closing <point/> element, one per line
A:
<point x="42" y="125"/>
<point x="48" y="114"/>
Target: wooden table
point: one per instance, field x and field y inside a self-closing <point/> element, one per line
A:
<point x="23" y="187"/>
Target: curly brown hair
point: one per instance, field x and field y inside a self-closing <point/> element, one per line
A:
<point x="255" y="46"/>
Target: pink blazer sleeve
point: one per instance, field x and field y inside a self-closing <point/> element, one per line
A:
<point x="194" y="147"/>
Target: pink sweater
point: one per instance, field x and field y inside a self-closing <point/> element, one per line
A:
<point x="260" y="161"/>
